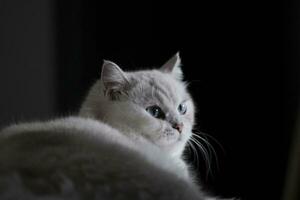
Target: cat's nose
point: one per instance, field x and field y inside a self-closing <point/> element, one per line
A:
<point x="178" y="127"/>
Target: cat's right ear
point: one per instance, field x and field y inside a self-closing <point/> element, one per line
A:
<point x="113" y="78"/>
<point x="173" y="66"/>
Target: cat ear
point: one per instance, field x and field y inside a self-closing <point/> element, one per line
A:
<point x="113" y="78"/>
<point x="173" y="66"/>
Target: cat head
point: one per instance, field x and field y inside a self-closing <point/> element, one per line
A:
<point x="152" y="103"/>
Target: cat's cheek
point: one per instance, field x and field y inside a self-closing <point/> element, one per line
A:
<point x="186" y="132"/>
<point x="187" y="123"/>
<point x="189" y="118"/>
<point x="146" y="123"/>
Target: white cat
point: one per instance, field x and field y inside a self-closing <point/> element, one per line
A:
<point x="126" y="143"/>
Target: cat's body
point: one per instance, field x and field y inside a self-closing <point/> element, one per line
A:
<point x="127" y="143"/>
<point x="84" y="158"/>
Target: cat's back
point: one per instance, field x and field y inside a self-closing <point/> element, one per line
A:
<point x="77" y="158"/>
<point x="59" y="137"/>
<point x="77" y="131"/>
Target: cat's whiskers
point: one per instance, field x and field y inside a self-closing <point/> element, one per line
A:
<point x="200" y="133"/>
<point x="210" y="148"/>
<point x="195" y="154"/>
<point x="203" y="137"/>
<point x="209" y="136"/>
<point x="204" y="153"/>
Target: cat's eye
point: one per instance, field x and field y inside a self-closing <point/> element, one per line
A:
<point x="156" y="112"/>
<point x="182" y="108"/>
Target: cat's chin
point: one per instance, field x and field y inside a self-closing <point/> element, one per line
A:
<point x="166" y="144"/>
<point x="168" y="140"/>
<point x="174" y="149"/>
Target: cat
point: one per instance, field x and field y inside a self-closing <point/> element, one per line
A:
<point x="126" y="143"/>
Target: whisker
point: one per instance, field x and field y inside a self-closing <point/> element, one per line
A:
<point x="210" y="148"/>
<point x="211" y="137"/>
<point x="195" y="153"/>
<point x="191" y="150"/>
<point x="203" y="137"/>
<point x="205" y="141"/>
<point x="204" y="153"/>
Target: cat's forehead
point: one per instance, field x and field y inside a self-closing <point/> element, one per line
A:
<point x="157" y="86"/>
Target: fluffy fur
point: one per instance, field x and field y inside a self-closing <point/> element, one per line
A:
<point x="115" y="149"/>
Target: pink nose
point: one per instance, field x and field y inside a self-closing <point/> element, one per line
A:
<point x="178" y="127"/>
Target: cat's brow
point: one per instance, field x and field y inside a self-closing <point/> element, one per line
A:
<point x="164" y="92"/>
<point x="158" y="90"/>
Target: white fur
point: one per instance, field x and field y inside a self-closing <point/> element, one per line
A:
<point x="114" y="150"/>
<point x="84" y="141"/>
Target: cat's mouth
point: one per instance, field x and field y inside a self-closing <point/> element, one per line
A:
<point x="168" y="138"/>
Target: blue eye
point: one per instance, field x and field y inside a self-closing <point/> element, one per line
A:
<point x="182" y="108"/>
<point x="156" y="112"/>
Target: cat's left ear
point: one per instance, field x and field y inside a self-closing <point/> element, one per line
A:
<point x="173" y="66"/>
<point x="114" y="79"/>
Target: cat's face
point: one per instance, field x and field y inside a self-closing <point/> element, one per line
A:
<point x="151" y="103"/>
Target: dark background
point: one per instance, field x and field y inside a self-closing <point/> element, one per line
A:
<point x="242" y="59"/>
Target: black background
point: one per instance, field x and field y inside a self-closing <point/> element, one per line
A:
<point x="241" y="58"/>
